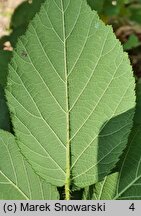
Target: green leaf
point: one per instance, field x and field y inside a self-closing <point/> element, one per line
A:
<point x="4" y="113"/>
<point x="96" y="4"/>
<point x="131" y="43"/>
<point x="112" y="8"/>
<point x="21" y="17"/>
<point x="104" y="190"/>
<point x="66" y="82"/>
<point x="24" y="13"/>
<point x="129" y="183"/>
<point x="5" y="57"/>
<point x="17" y="179"/>
<point x="135" y="13"/>
<point x="129" y="186"/>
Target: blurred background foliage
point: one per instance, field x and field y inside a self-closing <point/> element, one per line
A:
<point x="125" y="18"/>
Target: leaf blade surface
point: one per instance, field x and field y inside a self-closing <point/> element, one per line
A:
<point x="17" y="178"/>
<point x="127" y="183"/>
<point x="104" y="190"/>
<point x="62" y="91"/>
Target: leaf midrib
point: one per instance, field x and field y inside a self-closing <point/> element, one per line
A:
<point x="67" y="181"/>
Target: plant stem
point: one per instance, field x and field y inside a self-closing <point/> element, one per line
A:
<point x="68" y="173"/>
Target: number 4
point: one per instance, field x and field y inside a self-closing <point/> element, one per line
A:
<point x="132" y="207"/>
